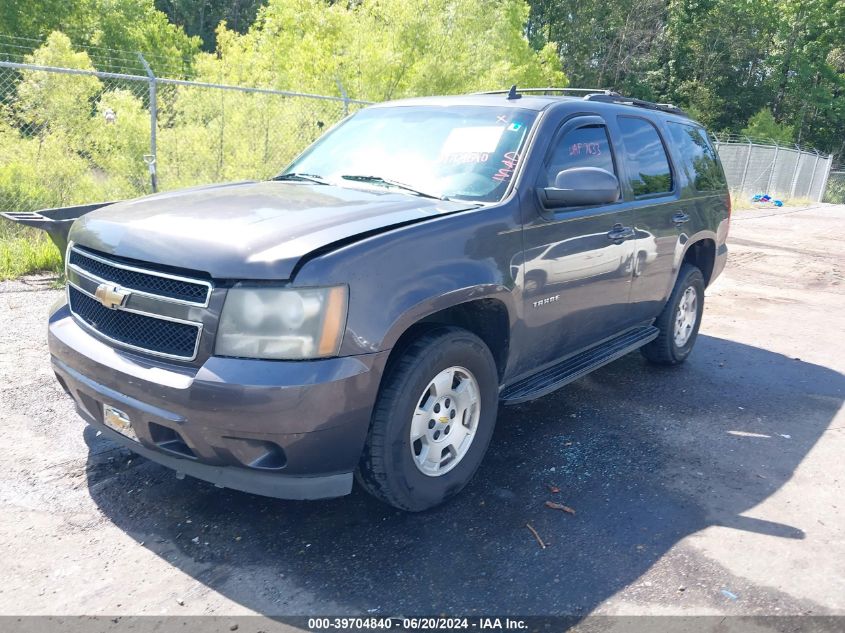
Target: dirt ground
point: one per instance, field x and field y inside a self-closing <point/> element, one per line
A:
<point x="714" y="488"/>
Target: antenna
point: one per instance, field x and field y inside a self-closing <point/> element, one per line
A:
<point x="513" y="94"/>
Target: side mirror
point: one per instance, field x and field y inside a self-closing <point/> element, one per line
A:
<point x="581" y="186"/>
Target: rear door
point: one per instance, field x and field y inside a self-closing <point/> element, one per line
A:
<point x="654" y="184"/>
<point x="707" y="188"/>
<point x="578" y="261"/>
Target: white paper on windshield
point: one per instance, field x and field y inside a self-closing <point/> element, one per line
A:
<point x="472" y="139"/>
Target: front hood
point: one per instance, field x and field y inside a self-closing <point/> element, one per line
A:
<point x="252" y="230"/>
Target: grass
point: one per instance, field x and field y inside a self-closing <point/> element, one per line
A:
<point x="24" y="251"/>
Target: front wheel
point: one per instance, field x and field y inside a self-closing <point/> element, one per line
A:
<point x="679" y="321"/>
<point x="433" y="420"/>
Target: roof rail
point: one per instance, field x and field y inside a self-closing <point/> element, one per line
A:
<point x="613" y="97"/>
<point x="546" y="91"/>
<point x="589" y="94"/>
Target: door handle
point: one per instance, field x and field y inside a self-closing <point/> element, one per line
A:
<point x="679" y="218"/>
<point x="620" y="233"/>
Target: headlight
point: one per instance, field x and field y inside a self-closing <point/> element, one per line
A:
<point x="282" y="323"/>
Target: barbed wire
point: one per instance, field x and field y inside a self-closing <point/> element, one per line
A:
<point x="728" y="137"/>
<point x="19" y="49"/>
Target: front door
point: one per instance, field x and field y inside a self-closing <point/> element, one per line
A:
<point x="578" y="262"/>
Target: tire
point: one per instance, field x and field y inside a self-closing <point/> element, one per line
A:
<point x="388" y="468"/>
<point x="665" y="349"/>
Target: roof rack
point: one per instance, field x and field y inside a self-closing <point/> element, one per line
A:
<point x="545" y="91"/>
<point x="602" y="95"/>
<point x="614" y="97"/>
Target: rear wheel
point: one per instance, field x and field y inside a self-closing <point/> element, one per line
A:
<point x="432" y="422"/>
<point x="679" y="321"/>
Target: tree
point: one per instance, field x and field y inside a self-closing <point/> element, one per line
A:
<point x="602" y="44"/>
<point x="116" y="29"/>
<point x="201" y="17"/>
<point x="50" y="102"/>
<point x="764" y="126"/>
<point x="384" y="49"/>
<point x="721" y="60"/>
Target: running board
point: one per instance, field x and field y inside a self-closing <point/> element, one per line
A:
<point x="576" y="366"/>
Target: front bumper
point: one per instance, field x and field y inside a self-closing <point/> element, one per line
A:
<point x="292" y="430"/>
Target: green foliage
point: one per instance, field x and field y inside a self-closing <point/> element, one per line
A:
<point x="27" y="251"/>
<point x="42" y="171"/>
<point x="836" y="189"/>
<point x="136" y="25"/>
<point x="768" y="68"/>
<point x="764" y="126"/>
<point x="70" y="139"/>
<point x="722" y="60"/>
<point x="385" y="49"/>
<point x="201" y="17"/>
<point x="54" y="102"/>
<point x="119" y="25"/>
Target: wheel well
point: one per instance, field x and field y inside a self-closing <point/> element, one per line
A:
<point x="486" y="318"/>
<point x="702" y="254"/>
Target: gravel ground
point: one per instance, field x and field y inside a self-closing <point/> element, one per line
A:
<point x="713" y="488"/>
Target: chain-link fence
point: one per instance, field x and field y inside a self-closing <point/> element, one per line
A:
<point x="71" y="136"/>
<point x="835" y="190"/>
<point x="754" y="166"/>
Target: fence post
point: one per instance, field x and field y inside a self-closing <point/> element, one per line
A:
<point x="826" y="177"/>
<point x="813" y="177"/>
<point x="153" y="155"/>
<point x="745" y="169"/>
<point x="344" y="95"/>
<point x="794" y="182"/>
<point x="772" y="172"/>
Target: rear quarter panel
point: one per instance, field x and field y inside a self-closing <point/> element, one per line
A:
<point x="709" y="210"/>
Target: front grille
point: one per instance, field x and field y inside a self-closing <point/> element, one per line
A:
<point x="147" y="333"/>
<point x="161" y="285"/>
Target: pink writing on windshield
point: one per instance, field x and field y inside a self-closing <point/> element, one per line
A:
<point x="509" y="162"/>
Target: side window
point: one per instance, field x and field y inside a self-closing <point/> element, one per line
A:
<point x="698" y="155"/>
<point x="645" y="157"/>
<point x="586" y="146"/>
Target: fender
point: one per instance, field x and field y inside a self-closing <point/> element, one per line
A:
<point x="449" y="299"/>
<point x="401" y="276"/>
<point x="686" y="242"/>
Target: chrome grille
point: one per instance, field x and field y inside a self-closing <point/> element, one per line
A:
<point x="146" y="281"/>
<point x="161" y="314"/>
<point x="136" y="330"/>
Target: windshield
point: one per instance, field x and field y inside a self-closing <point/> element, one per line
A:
<point x="464" y="152"/>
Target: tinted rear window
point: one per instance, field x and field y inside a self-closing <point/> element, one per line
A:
<point x="697" y="153"/>
<point x="645" y="157"/>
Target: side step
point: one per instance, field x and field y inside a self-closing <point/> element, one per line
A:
<point x="576" y="366"/>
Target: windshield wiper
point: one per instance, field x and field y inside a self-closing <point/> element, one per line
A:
<point x="387" y="182"/>
<point x="306" y="177"/>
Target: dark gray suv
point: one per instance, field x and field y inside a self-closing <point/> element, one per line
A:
<point x="364" y="313"/>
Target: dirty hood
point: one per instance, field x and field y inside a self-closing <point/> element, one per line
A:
<point x="253" y="230"/>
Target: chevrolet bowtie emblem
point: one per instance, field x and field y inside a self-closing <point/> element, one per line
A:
<point x="111" y="296"/>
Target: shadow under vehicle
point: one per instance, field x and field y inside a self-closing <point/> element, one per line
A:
<point x="646" y="458"/>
